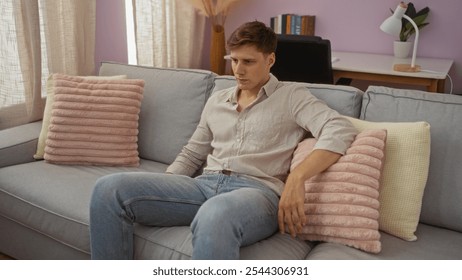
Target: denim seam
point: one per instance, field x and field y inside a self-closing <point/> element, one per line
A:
<point x="162" y="245"/>
<point x="156" y="198"/>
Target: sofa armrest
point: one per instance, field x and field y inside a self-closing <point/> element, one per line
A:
<point x="18" y="144"/>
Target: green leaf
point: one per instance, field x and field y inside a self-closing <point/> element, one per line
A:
<point x="425" y="10"/>
<point x="410" y="11"/>
<point x="420" y="19"/>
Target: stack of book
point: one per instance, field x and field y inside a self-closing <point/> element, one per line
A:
<point x="293" y="24"/>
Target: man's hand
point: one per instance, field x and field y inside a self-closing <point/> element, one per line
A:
<point x="291" y="205"/>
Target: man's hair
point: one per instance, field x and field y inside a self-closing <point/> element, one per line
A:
<point x="253" y="33"/>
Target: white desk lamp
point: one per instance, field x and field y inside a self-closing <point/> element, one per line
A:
<point x="392" y="26"/>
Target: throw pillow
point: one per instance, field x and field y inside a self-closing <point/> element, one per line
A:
<point x="94" y="122"/>
<point x="341" y="203"/>
<point x="405" y="175"/>
<point x="48" y="106"/>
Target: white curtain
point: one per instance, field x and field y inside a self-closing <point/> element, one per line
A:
<point x="38" y="37"/>
<point x="169" y="33"/>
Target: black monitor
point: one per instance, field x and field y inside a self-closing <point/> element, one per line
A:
<point x="303" y="59"/>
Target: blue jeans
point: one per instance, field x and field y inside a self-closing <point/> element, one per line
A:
<point x="225" y="212"/>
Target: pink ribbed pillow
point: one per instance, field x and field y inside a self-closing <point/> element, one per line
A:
<point x="94" y="122"/>
<point x="341" y="204"/>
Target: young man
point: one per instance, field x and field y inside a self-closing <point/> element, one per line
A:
<point x="246" y="135"/>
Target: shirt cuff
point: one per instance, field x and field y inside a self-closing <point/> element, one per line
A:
<point x="180" y="169"/>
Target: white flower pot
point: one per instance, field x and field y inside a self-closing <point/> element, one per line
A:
<point x="402" y="49"/>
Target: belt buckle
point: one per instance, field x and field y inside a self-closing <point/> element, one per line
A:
<point x="226" y="172"/>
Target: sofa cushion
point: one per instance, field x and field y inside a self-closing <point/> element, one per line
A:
<point x="54" y="199"/>
<point x="56" y="207"/>
<point x="443" y="192"/>
<point x="162" y="133"/>
<point x="50" y="87"/>
<point x="404" y="175"/>
<point x="175" y="243"/>
<point x="94" y="121"/>
<point x="20" y="141"/>
<point x="341" y="203"/>
<point x="433" y="244"/>
<point x="222" y="82"/>
<point x="344" y="99"/>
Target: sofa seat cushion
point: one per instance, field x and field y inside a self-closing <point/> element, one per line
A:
<point x="54" y="199"/>
<point x="175" y="243"/>
<point x="433" y="244"/>
<point x="57" y="206"/>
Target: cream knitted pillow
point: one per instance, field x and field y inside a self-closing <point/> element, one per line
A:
<point x="405" y="172"/>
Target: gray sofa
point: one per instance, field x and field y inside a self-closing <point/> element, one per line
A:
<point x="44" y="207"/>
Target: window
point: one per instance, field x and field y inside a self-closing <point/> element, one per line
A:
<point x="12" y="86"/>
<point x="131" y="41"/>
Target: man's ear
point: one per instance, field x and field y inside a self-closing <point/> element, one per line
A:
<point x="271" y="59"/>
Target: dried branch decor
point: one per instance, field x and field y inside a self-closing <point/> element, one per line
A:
<point x="216" y="10"/>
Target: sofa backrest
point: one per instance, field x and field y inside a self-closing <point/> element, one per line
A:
<point x="443" y="191"/>
<point x="164" y="130"/>
<point x="171" y="107"/>
<point x="344" y="99"/>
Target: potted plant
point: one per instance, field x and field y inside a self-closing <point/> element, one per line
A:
<point x="418" y="17"/>
<point x="402" y="47"/>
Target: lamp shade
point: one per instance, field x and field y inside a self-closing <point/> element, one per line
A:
<point x="392" y="25"/>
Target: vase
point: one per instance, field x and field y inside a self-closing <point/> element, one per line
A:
<point x="217" y="50"/>
<point x="402" y="49"/>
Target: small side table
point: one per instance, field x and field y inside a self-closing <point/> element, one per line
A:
<point x="379" y="67"/>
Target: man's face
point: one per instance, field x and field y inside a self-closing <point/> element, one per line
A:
<point x="251" y="67"/>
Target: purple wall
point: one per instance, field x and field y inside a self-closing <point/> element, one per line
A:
<point x="350" y="26"/>
<point x="111" y="35"/>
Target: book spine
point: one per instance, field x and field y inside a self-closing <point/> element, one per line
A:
<point x="298" y="22"/>
<point x="310" y="25"/>
<point x="303" y="25"/>
<point x="279" y="23"/>
<point x="283" y="24"/>
<point x="293" y="23"/>
<point x="273" y="23"/>
<point x="289" y="24"/>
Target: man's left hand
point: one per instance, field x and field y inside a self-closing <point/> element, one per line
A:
<point x="291" y="207"/>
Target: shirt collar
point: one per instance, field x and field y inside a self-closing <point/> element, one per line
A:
<point x="267" y="89"/>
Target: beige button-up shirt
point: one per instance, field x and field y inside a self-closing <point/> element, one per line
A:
<point x="259" y="141"/>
